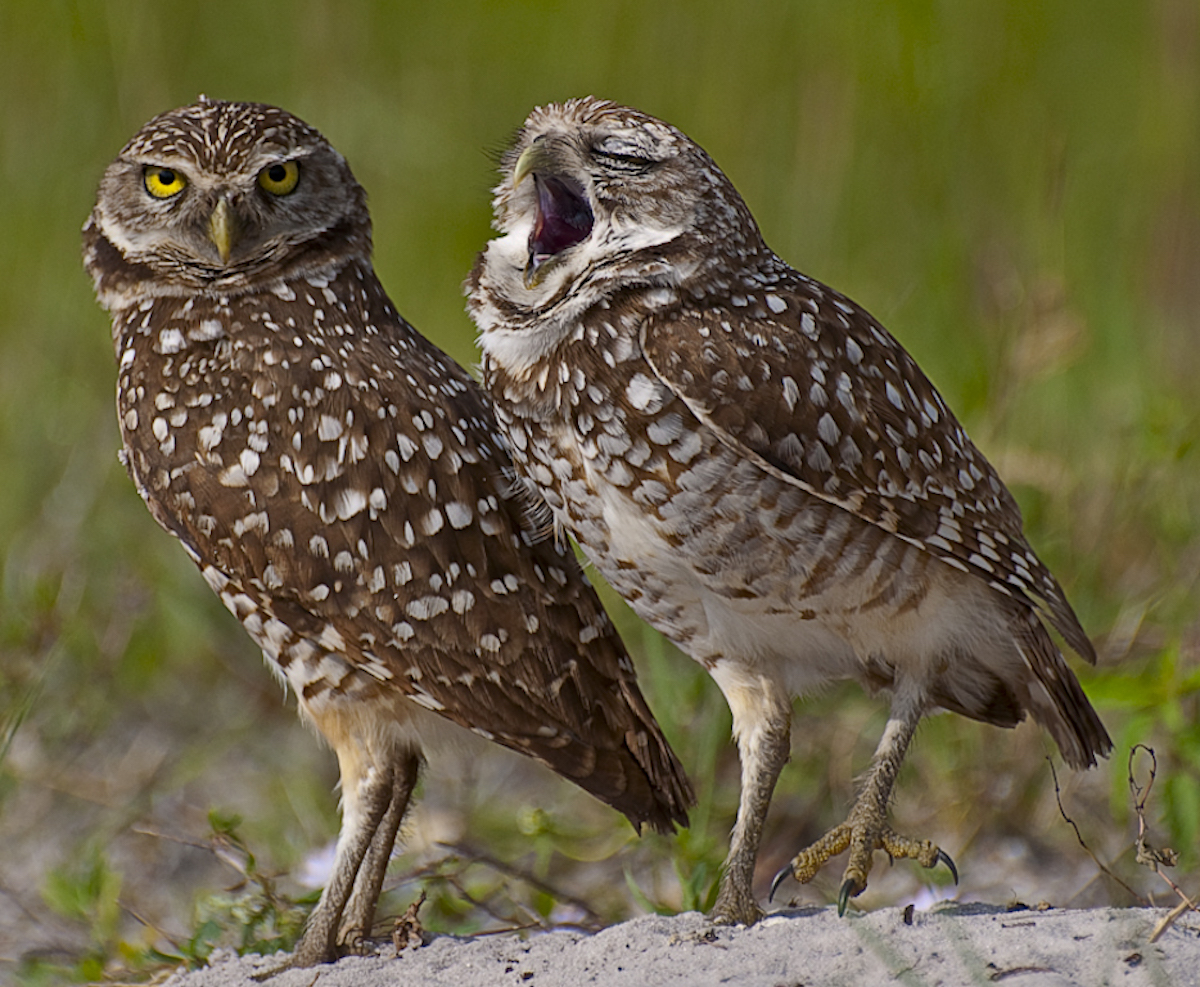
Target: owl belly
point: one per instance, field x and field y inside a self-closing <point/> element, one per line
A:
<point x="734" y="565"/>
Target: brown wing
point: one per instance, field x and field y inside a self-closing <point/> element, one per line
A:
<point x="356" y="500"/>
<point x="809" y="384"/>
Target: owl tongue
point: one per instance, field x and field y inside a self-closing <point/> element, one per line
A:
<point x="563" y="218"/>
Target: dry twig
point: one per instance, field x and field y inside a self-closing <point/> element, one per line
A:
<point x="1079" y="836"/>
<point x="1150" y="856"/>
<point x="408" y="931"/>
<point x="592" y="921"/>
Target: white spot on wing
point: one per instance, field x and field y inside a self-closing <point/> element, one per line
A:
<point x="348" y="502"/>
<point x="791" y="393"/>
<point x="643" y="392"/>
<point x="170" y="341"/>
<point x="329" y="428"/>
<point x="425" y="607"/>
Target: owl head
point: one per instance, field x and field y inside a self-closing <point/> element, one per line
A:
<point x="595" y="195"/>
<point x="217" y="196"/>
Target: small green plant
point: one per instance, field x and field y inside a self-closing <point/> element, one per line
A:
<point x="250" y="917"/>
<point x="84" y="891"/>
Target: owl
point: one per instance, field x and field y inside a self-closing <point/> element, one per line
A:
<point x="758" y="467"/>
<point x="341" y="484"/>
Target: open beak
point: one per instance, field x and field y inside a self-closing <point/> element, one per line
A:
<point x="564" y="217"/>
<point x="223" y="229"/>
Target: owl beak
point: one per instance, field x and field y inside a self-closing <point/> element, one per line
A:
<point x="533" y="158"/>
<point x="564" y="219"/>
<point x="223" y="229"/>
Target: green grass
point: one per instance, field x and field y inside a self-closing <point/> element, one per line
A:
<point x="1013" y="189"/>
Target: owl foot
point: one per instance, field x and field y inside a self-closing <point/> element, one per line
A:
<point x="735" y="906"/>
<point x="854" y="836"/>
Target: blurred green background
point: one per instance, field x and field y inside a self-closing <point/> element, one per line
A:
<point x="1012" y="188"/>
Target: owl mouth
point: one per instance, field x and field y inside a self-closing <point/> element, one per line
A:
<point x="564" y="219"/>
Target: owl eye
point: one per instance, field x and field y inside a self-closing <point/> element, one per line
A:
<point x="281" y="178"/>
<point x="162" y="183"/>
<point x="622" y="155"/>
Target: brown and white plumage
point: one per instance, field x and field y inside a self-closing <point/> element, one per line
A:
<point x="756" y="465"/>
<point x="341" y="485"/>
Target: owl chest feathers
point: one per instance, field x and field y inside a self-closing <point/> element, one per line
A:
<point x="240" y="394"/>
<point x="720" y="556"/>
<point x="307" y="472"/>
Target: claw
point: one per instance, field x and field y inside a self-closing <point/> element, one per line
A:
<point x="944" y="858"/>
<point x="784" y="872"/>
<point x="845" y="893"/>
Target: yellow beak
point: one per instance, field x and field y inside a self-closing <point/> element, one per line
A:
<point x="223" y="229"/>
<point x="536" y="157"/>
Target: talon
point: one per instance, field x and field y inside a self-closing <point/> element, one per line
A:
<point x="845" y="893"/>
<point x="944" y="857"/>
<point x="784" y="872"/>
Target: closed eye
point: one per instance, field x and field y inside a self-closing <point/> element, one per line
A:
<point x="623" y="158"/>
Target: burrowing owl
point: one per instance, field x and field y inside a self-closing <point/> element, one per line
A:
<point x="757" y="466"/>
<point x="341" y="485"/>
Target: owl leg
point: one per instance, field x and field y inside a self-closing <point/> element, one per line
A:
<point x="865" y="829"/>
<point x="359" y="916"/>
<point x="762" y="726"/>
<point x="368" y="788"/>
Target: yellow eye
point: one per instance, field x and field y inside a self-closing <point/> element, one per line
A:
<point x="162" y="183"/>
<point x="280" y="179"/>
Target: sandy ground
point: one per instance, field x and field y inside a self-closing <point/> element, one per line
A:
<point x="948" y="945"/>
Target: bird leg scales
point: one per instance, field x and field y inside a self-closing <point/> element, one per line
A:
<point x="762" y="726"/>
<point x="359" y="916"/>
<point x="319" y="942"/>
<point x="810" y="860"/>
<point x="865" y="829"/>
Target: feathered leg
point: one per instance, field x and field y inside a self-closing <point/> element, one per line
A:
<point x="359" y="916"/>
<point x="761" y="724"/>
<point x="365" y="804"/>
